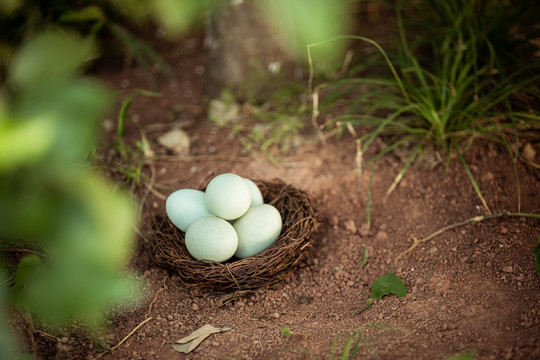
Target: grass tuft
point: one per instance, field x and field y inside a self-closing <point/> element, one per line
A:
<point x="445" y="90"/>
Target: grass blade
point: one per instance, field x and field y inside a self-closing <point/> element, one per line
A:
<point x="404" y="169"/>
<point x="471" y="177"/>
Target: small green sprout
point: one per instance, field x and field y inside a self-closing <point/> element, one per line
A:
<point x="385" y="285"/>
<point x="286" y="332"/>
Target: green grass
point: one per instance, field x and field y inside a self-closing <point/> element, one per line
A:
<point x="461" y="90"/>
<point x="359" y="341"/>
<point x="270" y="128"/>
<point x="133" y="160"/>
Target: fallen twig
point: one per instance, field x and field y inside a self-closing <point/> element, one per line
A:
<point x="147" y="319"/>
<point x="472" y="220"/>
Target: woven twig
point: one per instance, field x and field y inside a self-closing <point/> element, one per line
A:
<point x="264" y="269"/>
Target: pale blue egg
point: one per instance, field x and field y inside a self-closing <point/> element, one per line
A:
<point x="185" y="206"/>
<point x="257" y="230"/>
<point x="211" y="238"/>
<point x="256" y="195"/>
<point x="228" y="196"/>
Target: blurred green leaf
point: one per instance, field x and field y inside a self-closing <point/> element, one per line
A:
<point x="9" y="6"/>
<point x="304" y="22"/>
<point x="50" y="57"/>
<point x="88" y="244"/>
<point x="178" y="16"/>
<point x="87" y="13"/>
<point x="70" y="110"/>
<point x="23" y="142"/>
<point x="27" y="268"/>
<point x="52" y="200"/>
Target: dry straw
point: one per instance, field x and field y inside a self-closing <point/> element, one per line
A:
<point x="269" y="267"/>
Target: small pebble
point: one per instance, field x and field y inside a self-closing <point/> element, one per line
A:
<point x="176" y="140"/>
<point x="381" y="236"/>
<point x="275" y="315"/>
<point x="508" y="269"/>
<point x="195" y="307"/>
<point x="350" y="226"/>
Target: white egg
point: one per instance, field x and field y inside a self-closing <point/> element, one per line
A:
<point x="228" y="196"/>
<point x="185" y="206"/>
<point x="256" y="195"/>
<point x="257" y="230"/>
<point x="211" y="238"/>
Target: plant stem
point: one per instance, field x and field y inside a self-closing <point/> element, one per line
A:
<point x="472" y="220"/>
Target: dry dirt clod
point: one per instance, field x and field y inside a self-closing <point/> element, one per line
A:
<point x="381" y="236"/>
<point x="350" y="226"/>
<point x="508" y="269"/>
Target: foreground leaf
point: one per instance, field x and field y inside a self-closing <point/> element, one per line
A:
<point x="386" y="285"/>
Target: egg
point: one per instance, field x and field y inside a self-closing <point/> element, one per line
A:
<point x="185" y="206"/>
<point x="228" y="196"/>
<point x="256" y="195"/>
<point x="211" y="238"/>
<point x="257" y="230"/>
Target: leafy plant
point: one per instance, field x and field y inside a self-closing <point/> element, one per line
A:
<point x="77" y="229"/>
<point x="286" y="332"/>
<point x="385" y="285"/>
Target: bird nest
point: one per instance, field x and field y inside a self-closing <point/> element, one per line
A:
<point x="266" y="268"/>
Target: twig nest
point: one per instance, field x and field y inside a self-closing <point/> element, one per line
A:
<point x="266" y="268"/>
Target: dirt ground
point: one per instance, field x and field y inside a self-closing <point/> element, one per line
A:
<point x="471" y="288"/>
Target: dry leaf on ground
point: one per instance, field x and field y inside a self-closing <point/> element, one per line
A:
<point x="190" y="342"/>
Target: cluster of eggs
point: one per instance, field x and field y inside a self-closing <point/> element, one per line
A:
<point x="228" y="219"/>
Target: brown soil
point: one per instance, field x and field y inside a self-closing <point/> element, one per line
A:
<point x="473" y="287"/>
